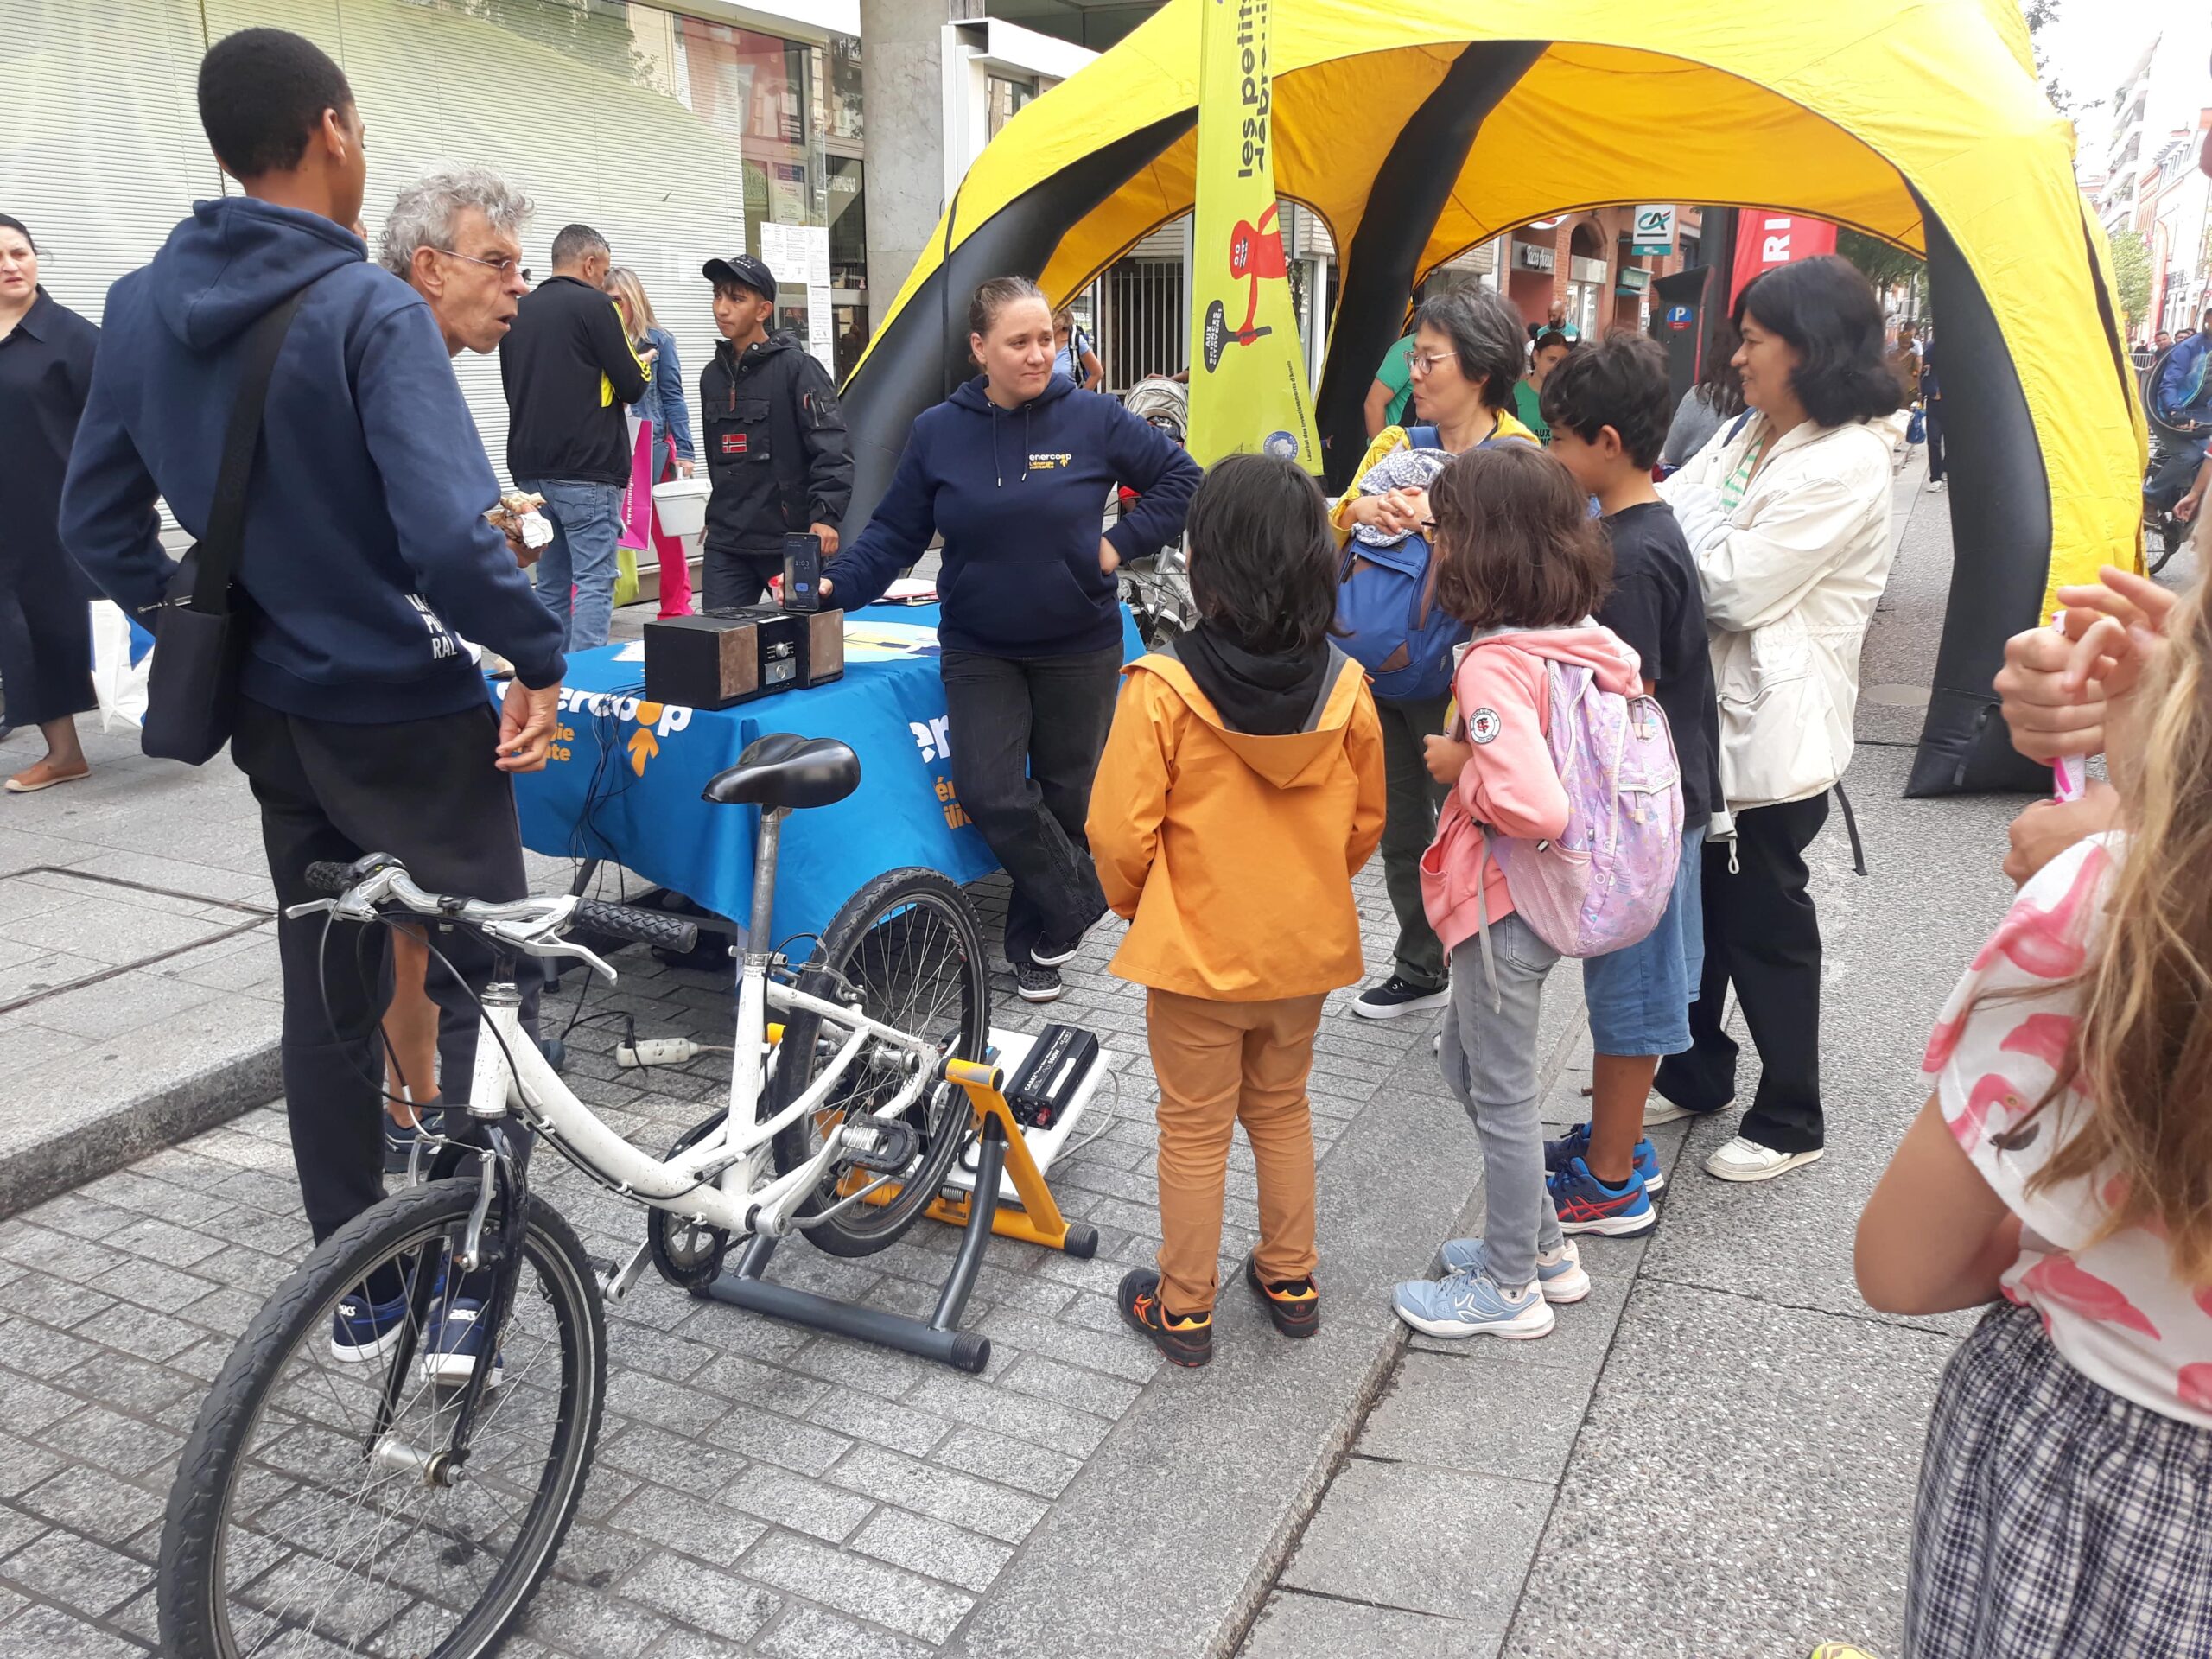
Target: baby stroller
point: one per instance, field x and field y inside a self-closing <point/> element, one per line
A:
<point x="1156" y="585"/>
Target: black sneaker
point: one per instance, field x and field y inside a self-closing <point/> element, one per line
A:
<point x="1293" y="1304"/>
<point x="1398" y="995"/>
<point x="1048" y="952"/>
<point x="1035" y="984"/>
<point x="1184" y="1340"/>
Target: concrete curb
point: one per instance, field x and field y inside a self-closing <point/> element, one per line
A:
<point x="100" y="1139"/>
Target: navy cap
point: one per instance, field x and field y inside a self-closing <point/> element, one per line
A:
<point x="743" y="269"/>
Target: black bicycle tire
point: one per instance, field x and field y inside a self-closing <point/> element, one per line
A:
<point x="2163" y="542"/>
<point x="893" y="890"/>
<point x="193" y="1526"/>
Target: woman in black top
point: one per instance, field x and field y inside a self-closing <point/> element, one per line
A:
<point x="46" y="632"/>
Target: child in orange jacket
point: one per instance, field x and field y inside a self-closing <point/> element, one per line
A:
<point x="1241" y="790"/>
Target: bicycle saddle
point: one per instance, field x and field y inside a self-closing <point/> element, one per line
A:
<point x="784" y="769"/>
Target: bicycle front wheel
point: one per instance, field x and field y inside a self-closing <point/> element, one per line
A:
<point x="312" y="1512"/>
<point x="906" y="948"/>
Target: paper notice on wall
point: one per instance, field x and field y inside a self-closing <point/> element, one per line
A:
<point x="784" y="251"/>
<point x="818" y="255"/>
<point x="822" y="328"/>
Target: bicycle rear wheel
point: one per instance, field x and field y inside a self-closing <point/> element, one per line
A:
<point x="295" y="1527"/>
<point x="907" y="948"/>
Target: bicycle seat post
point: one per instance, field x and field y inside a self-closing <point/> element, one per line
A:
<point x="758" y="936"/>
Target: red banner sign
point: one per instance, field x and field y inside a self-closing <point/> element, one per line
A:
<point x="1765" y="240"/>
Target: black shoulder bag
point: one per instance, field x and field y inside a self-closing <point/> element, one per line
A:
<point x="191" y="685"/>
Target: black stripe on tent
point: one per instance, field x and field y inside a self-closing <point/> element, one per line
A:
<point x="2000" y="535"/>
<point x="925" y="349"/>
<point x="1409" y="193"/>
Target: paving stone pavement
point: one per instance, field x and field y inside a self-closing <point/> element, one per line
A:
<point x="1712" y="1457"/>
<point x="758" y="1489"/>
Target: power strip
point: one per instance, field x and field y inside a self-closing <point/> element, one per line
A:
<point x="658" y="1051"/>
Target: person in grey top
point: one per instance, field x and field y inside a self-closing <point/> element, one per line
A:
<point x="1717" y="398"/>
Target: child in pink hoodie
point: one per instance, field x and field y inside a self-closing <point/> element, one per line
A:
<point x="1520" y="560"/>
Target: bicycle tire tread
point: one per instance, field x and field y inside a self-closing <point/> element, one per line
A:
<point x="192" y="1517"/>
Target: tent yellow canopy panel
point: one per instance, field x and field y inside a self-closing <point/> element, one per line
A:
<point x="1418" y="131"/>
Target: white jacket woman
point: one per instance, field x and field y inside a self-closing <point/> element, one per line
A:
<point x="1791" y="574"/>
<point x="1788" y="515"/>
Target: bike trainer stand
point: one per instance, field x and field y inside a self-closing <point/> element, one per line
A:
<point x="1038" y="1221"/>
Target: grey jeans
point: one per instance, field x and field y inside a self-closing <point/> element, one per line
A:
<point x="1490" y="1061"/>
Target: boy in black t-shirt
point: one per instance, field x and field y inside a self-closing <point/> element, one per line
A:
<point x="1608" y="409"/>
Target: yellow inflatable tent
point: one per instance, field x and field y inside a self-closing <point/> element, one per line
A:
<point x="1418" y="131"/>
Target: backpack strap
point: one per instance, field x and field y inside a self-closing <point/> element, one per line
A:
<point x="1424" y="437"/>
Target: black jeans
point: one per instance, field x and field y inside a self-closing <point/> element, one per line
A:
<point x="426" y="791"/>
<point x="1933" y="419"/>
<point x="1763" y="936"/>
<point x="1408" y="825"/>
<point x="733" y="580"/>
<point x="1026" y="734"/>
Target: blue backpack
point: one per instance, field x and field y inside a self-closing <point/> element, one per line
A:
<point x="1386" y="606"/>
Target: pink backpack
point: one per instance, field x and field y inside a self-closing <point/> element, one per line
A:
<point x="1604" y="883"/>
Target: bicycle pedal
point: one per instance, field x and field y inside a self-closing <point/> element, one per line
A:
<point x="885" y="1147"/>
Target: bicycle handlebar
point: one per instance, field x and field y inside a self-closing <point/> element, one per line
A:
<point x="639" y="926"/>
<point x="326" y="877"/>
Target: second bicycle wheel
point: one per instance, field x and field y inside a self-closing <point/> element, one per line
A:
<point x="907" y="945"/>
<point x="310" y="1514"/>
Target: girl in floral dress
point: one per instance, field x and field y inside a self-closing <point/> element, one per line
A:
<point x="2063" y="1163"/>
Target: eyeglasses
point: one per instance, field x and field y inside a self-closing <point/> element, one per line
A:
<point x="502" y="263"/>
<point x="1424" y="363"/>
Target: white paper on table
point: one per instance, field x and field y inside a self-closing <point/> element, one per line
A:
<point x="632" y="652"/>
<point x="822" y="328"/>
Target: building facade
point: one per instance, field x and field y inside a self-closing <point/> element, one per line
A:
<point x="681" y="131"/>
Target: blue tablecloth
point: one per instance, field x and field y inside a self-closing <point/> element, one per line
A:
<point x="625" y="779"/>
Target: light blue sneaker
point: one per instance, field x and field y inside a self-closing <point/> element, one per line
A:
<point x="1558" y="1274"/>
<point x="1472" y="1305"/>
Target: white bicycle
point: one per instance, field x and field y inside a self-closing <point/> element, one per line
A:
<point x="393" y="1453"/>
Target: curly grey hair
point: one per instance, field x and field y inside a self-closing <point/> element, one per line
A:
<point x="424" y="215"/>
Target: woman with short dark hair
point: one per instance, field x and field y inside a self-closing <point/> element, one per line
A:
<point x="1013" y="471"/>
<point x="1467" y="357"/>
<point x="1789" y="517"/>
<point x="45" y="629"/>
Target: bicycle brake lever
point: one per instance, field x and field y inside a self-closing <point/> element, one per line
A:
<point x="313" y="907"/>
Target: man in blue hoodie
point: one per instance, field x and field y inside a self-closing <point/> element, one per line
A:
<point x="363" y="725"/>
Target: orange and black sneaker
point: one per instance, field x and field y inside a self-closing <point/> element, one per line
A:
<point x="1293" y="1304"/>
<point x="1186" y="1339"/>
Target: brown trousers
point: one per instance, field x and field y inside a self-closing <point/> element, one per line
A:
<point x="1220" y="1064"/>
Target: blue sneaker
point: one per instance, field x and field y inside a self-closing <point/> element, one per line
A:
<point x="454" y="1342"/>
<point x="361" y="1331"/>
<point x="1586" y="1204"/>
<point x="1575" y="1143"/>
<point x="1558" y="1274"/>
<point x="1472" y="1305"/>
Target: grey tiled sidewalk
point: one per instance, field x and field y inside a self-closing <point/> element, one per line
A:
<point x="1710" y="1458"/>
<point x="758" y="1489"/>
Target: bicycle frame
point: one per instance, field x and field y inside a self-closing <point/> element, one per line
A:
<point x="713" y="1182"/>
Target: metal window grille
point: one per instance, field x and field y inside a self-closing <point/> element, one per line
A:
<point x="1141" y="332"/>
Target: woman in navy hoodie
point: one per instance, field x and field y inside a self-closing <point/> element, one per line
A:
<point x="1014" y="470"/>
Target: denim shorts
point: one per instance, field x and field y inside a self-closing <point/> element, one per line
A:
<point x="1639" y="998"/>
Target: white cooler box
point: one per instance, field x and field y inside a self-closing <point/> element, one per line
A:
<point x="681" y="505"/>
